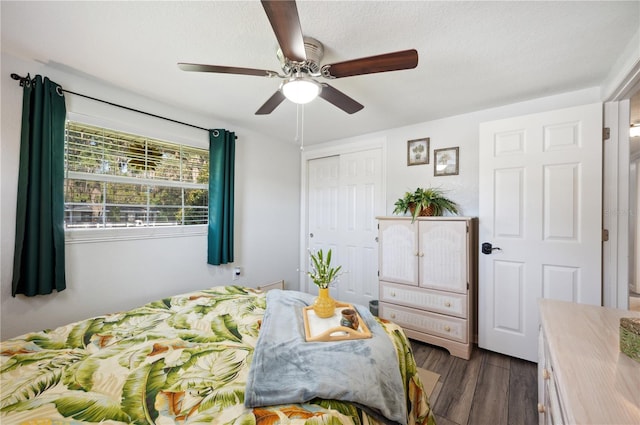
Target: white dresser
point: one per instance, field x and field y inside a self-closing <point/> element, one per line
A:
<point x="583" y="377"/>
<point x="427" y="276"/>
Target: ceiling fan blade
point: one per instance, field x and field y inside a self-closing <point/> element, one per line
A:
<point x="283" y="16"/>
<point x="339" y="99"/>
<point x="271" y="104"/>
<point x="405" y="59"/>
<point x="194" y="67"/>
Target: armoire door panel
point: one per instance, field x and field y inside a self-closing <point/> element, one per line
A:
<point x="443" y="255"/>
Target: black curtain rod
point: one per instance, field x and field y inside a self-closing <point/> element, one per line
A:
<point x="27" y="79"/>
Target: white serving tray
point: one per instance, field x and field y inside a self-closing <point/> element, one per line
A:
<point x="329" y="329"/>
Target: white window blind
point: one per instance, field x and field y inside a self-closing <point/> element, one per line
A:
<point x="115" y="179"/>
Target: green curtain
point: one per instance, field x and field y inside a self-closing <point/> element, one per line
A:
<point x="222" y="146"/>
<point x="38" y="263"/>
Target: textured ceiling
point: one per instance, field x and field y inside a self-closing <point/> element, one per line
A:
<point x="473" y="55"/>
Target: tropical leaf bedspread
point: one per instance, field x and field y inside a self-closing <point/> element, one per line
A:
<point x="179" y="360"/>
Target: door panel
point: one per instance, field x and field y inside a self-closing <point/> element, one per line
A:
<point x="509" y="200"/>
<point x="540" y="203"/>
<point x="561" y="283"/>
<point x="561" y="192"/>
<point x="509" y="285"/>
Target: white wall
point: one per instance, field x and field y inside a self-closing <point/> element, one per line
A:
<point x="110" y="276"/>
<point x="461" y="131"/>
<point x="621" y="76"/>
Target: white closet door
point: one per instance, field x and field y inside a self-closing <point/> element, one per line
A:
<point x="344" y="197"/>
<point x="322" y="209"/>
<point x="360" y="203"/>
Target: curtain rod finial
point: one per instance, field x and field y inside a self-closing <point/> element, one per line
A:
<point x="22" y="80"/>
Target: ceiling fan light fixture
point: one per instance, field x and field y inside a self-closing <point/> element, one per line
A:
<point x="301" y="90"/>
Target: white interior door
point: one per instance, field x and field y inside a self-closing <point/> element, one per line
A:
<point x="540" y="204"/>
<point x="344" y="197"/>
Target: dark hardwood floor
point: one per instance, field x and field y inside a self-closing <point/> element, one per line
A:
<point x="487" y="389"/>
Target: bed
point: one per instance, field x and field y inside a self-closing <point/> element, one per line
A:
<point x="185" y="359"/>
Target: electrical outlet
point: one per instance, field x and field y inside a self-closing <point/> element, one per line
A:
<point x="236" y="273"/>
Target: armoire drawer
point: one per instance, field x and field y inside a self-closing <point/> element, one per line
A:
<point x="432" y="323"/>
<point x="438" y="301"/>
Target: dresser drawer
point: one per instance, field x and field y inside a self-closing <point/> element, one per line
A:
<point x="550" y="406"/>
<point x="438" y="301"/>
<point x="432" y="323"/>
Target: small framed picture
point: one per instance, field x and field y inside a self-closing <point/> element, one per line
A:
<point x="446" y="162"/>
<point x="418" y="151"/>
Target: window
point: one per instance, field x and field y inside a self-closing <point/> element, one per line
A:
<point x="116" y="180"/>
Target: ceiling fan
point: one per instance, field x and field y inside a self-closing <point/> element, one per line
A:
<point x="300" y="60"/>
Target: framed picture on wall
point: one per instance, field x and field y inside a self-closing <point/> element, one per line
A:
<point x="418" y="151"/>
<point x="446" y="162"/>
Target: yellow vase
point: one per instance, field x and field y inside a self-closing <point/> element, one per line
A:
<point x="324" y="306"/>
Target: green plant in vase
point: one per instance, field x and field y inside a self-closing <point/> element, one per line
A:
<point x="425" y="202"/>
<point x="323" y="274"/>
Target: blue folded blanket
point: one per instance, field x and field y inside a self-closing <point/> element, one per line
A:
<point x="286" y="369"/>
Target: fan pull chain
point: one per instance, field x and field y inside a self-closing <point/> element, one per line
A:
<point x="300" y="125"/>
<point x="297" y="139"/>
